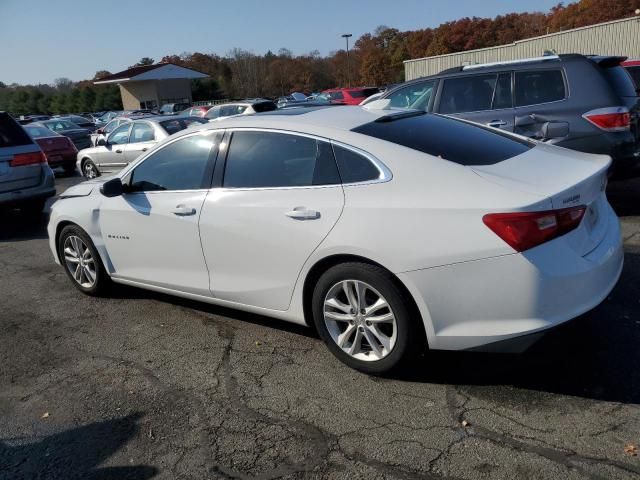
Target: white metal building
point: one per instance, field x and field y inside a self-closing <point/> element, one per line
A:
<point x="618" y="37"/>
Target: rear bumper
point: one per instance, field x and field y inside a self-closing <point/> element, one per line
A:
<point x="45" y="189"/>
<point x="64" y="160"/>
<point x="480" y="303"/>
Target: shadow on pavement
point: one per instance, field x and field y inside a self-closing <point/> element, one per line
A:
<point x="75" y="453"/>
<point x="624" y="197"/>
<point x="17" y="226"/>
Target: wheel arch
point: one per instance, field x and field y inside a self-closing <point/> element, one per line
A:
<point x="324" y="264"/>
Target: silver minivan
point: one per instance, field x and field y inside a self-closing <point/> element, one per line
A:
<point x="26" y="181"/>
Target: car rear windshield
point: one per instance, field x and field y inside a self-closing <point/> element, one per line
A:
<point x="365" y="92"/>
<point x="39" y="132"/>
<point x="621" y="81"/>
<point x="443" y="137"/>
<point x="264" y="107"/>
<point x="12" y="134"/>
<point x="175" y="125"/>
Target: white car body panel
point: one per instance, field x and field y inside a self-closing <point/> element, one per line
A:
<point x="424" y="225"/>
<point x="234" y="219"/>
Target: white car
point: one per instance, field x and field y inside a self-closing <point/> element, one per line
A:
<point x="247" y="107"/>
<point x="385" y="230"/>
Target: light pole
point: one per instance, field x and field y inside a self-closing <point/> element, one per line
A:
<point x="346" y="36"/>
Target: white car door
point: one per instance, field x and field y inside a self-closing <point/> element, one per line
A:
<point x="111" y="157"/>
<point x="280" y="196"/>
<point x="142" y="138"/>
<point x="151" y="231"/>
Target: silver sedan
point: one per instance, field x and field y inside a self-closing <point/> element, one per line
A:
<point x="127" y="142"/>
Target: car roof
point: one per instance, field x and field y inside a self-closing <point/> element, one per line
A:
<point x="343" y="118"/>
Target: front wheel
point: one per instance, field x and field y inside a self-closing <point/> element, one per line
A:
<point x="89" y="169"/>
<point x="81" y="261"/>
<point x="365" y="319"/>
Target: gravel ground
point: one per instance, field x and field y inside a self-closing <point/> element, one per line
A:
<point x="142" y="385"/>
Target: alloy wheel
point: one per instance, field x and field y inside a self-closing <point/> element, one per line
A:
<point x="360" y="320"/>
<point x="79" y="261"/>
<point x="90" y="170"/>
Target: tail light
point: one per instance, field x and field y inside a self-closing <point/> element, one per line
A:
<point x="31" y="158"/>
<point x="525" y="230"/>
<point x="614" y="119"/>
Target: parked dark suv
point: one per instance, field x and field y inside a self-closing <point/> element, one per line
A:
<point x="26" y="180"/>
<point x="586" y="103"/>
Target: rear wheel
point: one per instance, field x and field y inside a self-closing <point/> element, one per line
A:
<point x="81" y="261"/>
<point x="365" y="318"/>
<point x="89" y="169"/>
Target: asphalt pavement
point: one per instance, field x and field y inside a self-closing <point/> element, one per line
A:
<point x="142" y="385"/>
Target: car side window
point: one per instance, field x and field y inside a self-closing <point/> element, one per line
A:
<point x="415" y="96"/>
<point x="213" y="112"/>
<point x="268" y="159"/>
<point x="142" y="132"/>
<point x="354" y="167"/>
<point x="111" y="126"/>
<point x="467" y="94"/>
<point x="539" y="86"/>
<point x="502" y="95"/>
<point x="181" y="165"/>
<point x="120" y="135"/>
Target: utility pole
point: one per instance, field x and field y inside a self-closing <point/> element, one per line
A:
<point x="346" y="36"/>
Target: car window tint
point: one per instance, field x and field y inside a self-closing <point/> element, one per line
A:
<point x="181" y="165"/>
<point x="264" y="107"/>
<point x="111" y="126"/>
<point x="467" y="94"/>
<point x="336" y="96"/>
<point x="502" y="95"/>
<point x="266" y="159"/>
<point x="621" y="81"/>
<point x="415" y="96"/>
<point x="12" y="134"/>
<point x="441" y="136"/>
<point x="120" y="135"/>
<point x="142" y="132"/>
<point x="213" y="112"/>
<point x="539" y="86"/>
<point x="635" y="74"/>
<point x="354" y="167"/>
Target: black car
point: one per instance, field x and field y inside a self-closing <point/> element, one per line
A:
<point x="586" y="103"/>
<point x="79" y="121"/>
<point x="81" y="137"/>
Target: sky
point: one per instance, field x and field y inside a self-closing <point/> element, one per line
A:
<point x="41" y="40"/>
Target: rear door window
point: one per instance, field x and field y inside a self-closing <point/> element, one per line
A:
<point x="539" y="86"/>
<point x="502" y="97"/>
<point x="416" y="95"/>
<point x="142" y="132"/>
<point x="467" y="94"/>
<point x="269" y="159"/>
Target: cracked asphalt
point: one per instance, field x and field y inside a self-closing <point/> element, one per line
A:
<point x="142" y="385"/>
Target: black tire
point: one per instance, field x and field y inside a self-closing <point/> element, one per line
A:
<point x="102" y="280"/>
<point x="87" y="166"/>
<point x="33" y="208"/>
<point x="69" y="169"/>
<point x="410" y="338"/>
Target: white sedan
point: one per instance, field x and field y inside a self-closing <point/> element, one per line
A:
<point x="385" y="230"/>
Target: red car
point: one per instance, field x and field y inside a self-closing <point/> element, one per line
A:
<point x="349" y="96"/>
<point x="59" y="150"/>
<point x="633" y="67"/>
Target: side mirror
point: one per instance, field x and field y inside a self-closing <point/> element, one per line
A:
<point x="112" y="188"/>
<point x="100" y="131"/>
<point x="101" y="142"/>
<point x="555" y="130"/>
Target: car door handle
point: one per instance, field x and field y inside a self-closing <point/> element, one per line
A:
<point x="184" y="211"/>
<point x="145" y="149"/>
<point x="118" y="151"/>
<point x="496" y="123"/>
<point x="303" y="213"/>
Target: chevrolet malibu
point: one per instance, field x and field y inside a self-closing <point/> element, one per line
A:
<point x="354" y="221"/>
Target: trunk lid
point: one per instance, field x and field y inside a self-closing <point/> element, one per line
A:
<point x="567" y="178"/>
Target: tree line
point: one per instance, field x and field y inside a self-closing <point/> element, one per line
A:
<point x="375" y="60"/>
